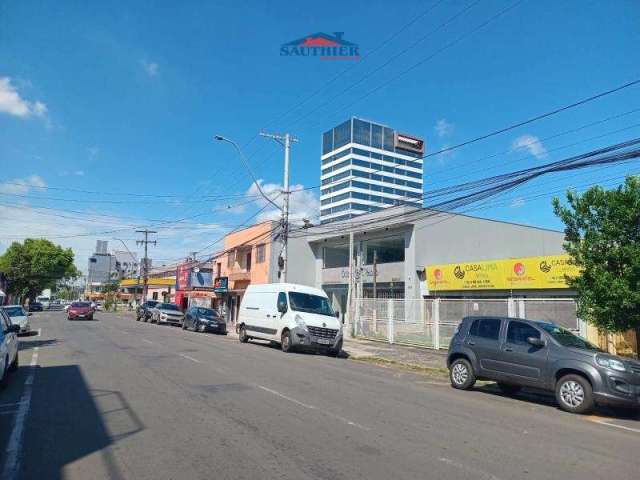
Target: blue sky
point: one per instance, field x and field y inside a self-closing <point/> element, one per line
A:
<point x="124" y="97"/>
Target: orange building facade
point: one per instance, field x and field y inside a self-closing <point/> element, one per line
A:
<point x="250" y="257"/>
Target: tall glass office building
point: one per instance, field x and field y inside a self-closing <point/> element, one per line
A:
<point x="367" y="167"/>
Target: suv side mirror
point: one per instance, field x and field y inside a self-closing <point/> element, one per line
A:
<point x="282" y="307"/>
<point x="536" y="342"/>
<point x="14" y="328"/>
<point x="338" y="314"/>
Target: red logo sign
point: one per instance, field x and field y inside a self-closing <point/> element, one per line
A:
<point x="437" y="273"/>
<point x="518" y="269"/>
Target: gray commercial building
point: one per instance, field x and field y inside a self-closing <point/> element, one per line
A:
<point x="402" y="242"/>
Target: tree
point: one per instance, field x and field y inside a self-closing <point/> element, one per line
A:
<point x="602" y="236"/>
<point x="36" y="264"/>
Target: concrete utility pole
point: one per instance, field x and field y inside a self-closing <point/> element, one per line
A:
<point x="284" y="140"/>
<point x="145" y="260"/>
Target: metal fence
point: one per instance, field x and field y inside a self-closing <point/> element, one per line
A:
<point x="432" y="322"/>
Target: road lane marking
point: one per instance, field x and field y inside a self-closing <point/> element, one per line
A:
<point x="472" y="470"/>
<point x="189" y="358"/>
<point x="313" y="407"/>
<point x="14" y="446"/>
<point x="39" y="332"/>
<point x="148" y="341"/>
<point x="602" y="422"/>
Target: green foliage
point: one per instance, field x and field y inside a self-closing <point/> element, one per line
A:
<point x="35" y="265"/>
<point x="602" y="235"/>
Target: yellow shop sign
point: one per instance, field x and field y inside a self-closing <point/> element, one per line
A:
<point x="504" y="274"/>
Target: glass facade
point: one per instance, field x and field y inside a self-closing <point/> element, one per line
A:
<point x="384" y="178"/>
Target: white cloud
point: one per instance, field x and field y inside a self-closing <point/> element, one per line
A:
<point x="444" y="128"/>
<point x="93" y="152"/>
<point x="13" y="104"/>
<point x="150" y="68"/>
<point x="302" y="203"/>
<point x="79" y="173"/>
<point x="530" y="143"/>
<point x="22" y="185"/>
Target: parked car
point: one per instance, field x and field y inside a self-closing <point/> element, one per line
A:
<point x="8" y="347"/>
<point x="80" y="310"/>
<point x="36" y="307"/>
<point x="295" y="316"/>
<point x="18" y="316"/>
<point x="201" y="319"/>
<point x="517" y="353"/>
<point x="168" y="313"/>
<point x="143" y="312"/>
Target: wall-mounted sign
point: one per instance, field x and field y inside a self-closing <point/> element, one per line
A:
<point x="221" y="284"/>
<point x="504" y="274"/>
<point x="407" y="142"/>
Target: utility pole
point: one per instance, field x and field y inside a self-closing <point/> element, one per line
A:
<point x="350" y="313"/>
<point x="284" y="140"/>
<point x="145" y="260"/>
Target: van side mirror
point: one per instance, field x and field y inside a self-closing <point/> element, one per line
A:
<point x="338" y="314"/>
<point x="536" y="342"/>
<point x="282" y="307"/>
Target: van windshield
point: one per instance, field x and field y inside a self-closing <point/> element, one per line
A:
<point x="305" y="302"/>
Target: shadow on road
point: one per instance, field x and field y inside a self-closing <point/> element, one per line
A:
<point x="28" y="345"/>
<point x="547" y="399"/>
<point x="67" y="422"/>
<point x="297" y="351"/>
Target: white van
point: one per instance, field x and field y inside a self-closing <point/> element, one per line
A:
<point x="295" y="316"/>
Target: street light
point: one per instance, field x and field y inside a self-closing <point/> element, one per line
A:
<point x="245" y="164"/>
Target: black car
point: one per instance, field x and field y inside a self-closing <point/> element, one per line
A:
<point x="516" y="353"/>
<point x="201" y="319"/>
<point x="36" y="307"/>
<point x="143" y="312"/>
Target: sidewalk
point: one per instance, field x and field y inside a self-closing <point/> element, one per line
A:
<point x="421" y="359"/>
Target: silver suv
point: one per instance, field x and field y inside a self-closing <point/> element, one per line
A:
<point x="515" y="353"/>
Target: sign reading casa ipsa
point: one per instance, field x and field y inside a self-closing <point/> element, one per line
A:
<point x="504" y="274"/>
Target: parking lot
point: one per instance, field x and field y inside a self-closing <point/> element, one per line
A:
<point x="118" y="399"/>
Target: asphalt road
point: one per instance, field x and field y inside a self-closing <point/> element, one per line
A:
<point x="118" y="399"/>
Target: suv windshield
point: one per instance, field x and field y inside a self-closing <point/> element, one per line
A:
<point x="167" y="306"/>
<point x="566" y="338"/>
<point x="305" y="302"/>
<point x="14" y="311"/>
<point x="80" y="304"/>
<point x="207" y="312"/>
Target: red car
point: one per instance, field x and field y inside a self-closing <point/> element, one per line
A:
<point x="81" y="310"/>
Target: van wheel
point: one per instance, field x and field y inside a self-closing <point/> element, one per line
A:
<point x="574" y="394"/>
<point x="14" y="366"/>
<point x="509" y="389"/>
<point x="285" y="341"/>
<point x="461" y="374"/>
<point x="242" y="335"/>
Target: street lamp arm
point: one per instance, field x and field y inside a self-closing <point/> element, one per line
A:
<point x="245" y="164"/>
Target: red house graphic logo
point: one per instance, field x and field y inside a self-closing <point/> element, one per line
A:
<point x="322" y="45"/>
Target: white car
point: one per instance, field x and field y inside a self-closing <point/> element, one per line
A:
<point x="18" y="316"/>
<point x="8" y="347"/>
<point x="296" y="316"/>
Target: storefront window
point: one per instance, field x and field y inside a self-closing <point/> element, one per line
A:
<point x="387" y="250"/>
<point x="336" y="256"/>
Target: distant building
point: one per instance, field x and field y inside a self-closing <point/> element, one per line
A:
<point x="127" y="264"/>
<point x="367" y="167"/>
<point x="102" y="266"/>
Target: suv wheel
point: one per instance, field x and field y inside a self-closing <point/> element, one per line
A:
<point x="508" y="388"/>
<point x="574" y="394"/>
<point x="242" y="335"/>
<point x="285" y="341"/>
<point x="461" y="374"/>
